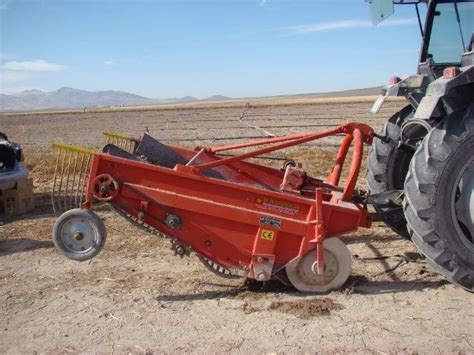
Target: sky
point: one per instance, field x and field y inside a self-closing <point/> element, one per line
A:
<point x="173" y="48"/>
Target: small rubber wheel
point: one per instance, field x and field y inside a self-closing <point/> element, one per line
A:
<point x="79" y="234"/>
<point x="337" y="268"/>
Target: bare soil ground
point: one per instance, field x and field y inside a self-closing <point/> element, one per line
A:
<point x="136" y="296"/>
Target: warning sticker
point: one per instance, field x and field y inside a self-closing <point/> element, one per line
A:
<point x="266" y="234"/>
<point x="270" y="221"/>
<point x="274" y="205"/>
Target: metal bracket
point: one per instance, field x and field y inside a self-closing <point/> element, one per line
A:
<point x="392" y="198"/>
<point x="406" y="147"/>
<point x="262" y="267"/>
<point x="388" y="215"/>
<point x="385" y="139"/>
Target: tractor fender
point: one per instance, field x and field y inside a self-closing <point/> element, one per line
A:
<point x="403" y="87"/>
<point x="409" y="83"/>
<point x="440" y="88"/>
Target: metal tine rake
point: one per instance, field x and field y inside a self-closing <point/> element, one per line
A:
<point x="124" y="142"/>
<point x="71" y="172"/>
<point x="70" y="176"/>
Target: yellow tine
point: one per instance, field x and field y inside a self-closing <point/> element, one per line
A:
<point x="74" y="173"/>
<point x="72" y="148"/>
<point x="86" y="178"/>
<point x="68" y="175"/>
<point x="78" y="185"/>
<point x="116" y="135"/>
<point x="55" y="177"/>
<point x="61" y="178"/>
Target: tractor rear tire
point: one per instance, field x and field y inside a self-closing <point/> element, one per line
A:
<point x="387" y="166"/>
<point x="439" y="198"/>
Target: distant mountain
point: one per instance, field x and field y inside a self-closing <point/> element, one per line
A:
<point x="74" y="98"/>
<point x="64" y="98"/>
<point x="31" y="92"/>
<point x="187" y="99"/>
<point x="217" y="98"/>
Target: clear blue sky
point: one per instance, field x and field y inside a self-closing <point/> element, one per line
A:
<point x="174" y="48"/>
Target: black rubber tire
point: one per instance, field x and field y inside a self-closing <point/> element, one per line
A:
<point x="3" y="136"/>
<point x="387" y="166"/>
<point x="429" y="189"/>
<point x="93" y="220"/>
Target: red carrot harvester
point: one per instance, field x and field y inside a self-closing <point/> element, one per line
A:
<point x="240" y="218"/>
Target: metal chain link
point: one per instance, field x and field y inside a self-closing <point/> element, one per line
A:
<point x="209" y="264"/>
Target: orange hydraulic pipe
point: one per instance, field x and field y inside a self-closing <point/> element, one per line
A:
<point x="290" y="141"/>
<point x="335" y="175"/>
<point x="355" y="166"/>
<point x="277" y="140"/>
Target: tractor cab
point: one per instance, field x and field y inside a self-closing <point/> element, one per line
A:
<point x="447" y="35"/>
<point x="446" y="51"/>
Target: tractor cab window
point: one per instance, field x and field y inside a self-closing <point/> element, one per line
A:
<point x="446" y="43"/>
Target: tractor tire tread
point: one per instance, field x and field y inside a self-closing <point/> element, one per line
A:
<point x="421" y="185"/>
<point x="379" y="160"/>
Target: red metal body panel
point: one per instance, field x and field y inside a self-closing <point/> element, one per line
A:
<point x="242" y="220"/>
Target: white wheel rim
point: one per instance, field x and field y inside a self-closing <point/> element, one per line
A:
<point x="337" y="268"/>
<point x="78" y="235"/>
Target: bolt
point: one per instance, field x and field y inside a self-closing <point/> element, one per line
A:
<point x="78" y="235"/>
<point x="314" y="268"/>
<point x="104" y="188"/>
<point x="172" y="221"/>
<point x="180" y="250"/>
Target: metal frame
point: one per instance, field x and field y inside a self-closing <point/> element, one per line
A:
<point x="254" y="228"/>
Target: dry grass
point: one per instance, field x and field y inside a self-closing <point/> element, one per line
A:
<point x="41" y="163"/>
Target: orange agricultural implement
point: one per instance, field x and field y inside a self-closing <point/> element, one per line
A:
<point x="240" y="218"/>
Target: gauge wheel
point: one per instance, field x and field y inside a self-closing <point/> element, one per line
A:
<point x="387" y="166"/>
<point x="79" y="234"/>
<point x="439" y="198"/>
<point x="337" y="268"/>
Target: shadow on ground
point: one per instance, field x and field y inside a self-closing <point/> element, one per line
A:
<point x="356" y="284"/>
<point x="12" y="246"/>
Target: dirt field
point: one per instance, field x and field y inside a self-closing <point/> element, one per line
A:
<point x="137" y="297"/>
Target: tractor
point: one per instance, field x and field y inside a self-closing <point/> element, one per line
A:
<point x="421" y="168"/>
